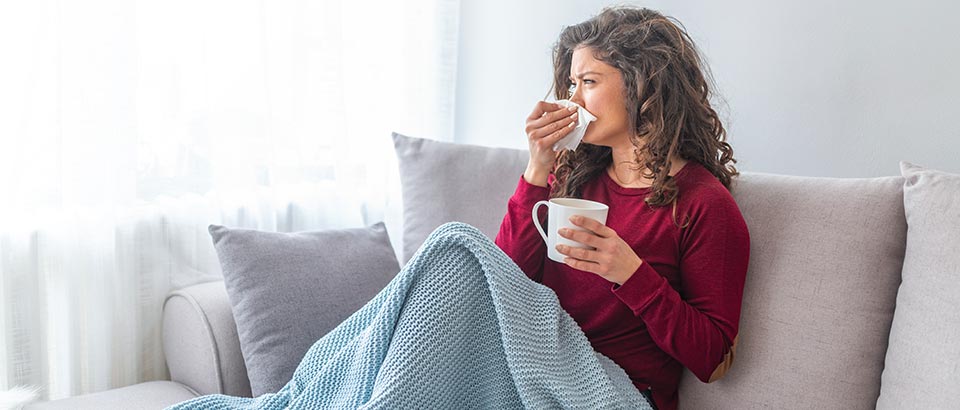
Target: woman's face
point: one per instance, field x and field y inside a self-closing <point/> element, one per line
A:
<point x="598" y="87"/>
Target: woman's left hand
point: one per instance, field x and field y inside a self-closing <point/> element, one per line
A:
<point x="613" y="259"/>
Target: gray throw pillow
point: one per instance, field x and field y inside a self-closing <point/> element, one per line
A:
<point x="289" y="289"/>
<point x="443" y="182"/>
<point x="921" y="369"/>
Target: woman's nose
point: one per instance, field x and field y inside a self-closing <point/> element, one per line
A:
<point x="576" y="97"/>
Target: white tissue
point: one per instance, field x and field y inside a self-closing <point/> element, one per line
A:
<point x="572" y="140"/>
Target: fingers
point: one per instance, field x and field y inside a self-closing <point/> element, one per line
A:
<point x="541" y="108"/>
<point x="563" y="126"/>
<point x="580" y="253"/>
<point x="552" y="116"/>
<point x="586" y="238"/>
<point x="593" y="225"/>
<point x="585" y="266"/>
<point x="540" y="129"/>
<point x="551" y="139"/>
<point x="547" y="142"/>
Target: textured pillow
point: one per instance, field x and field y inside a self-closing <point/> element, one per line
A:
<point x="825" y="258"/>
<point x="923" y="360"/>
<point x="444" y="182"/>
<point x="289" y="289"/>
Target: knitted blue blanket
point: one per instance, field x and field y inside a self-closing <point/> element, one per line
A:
<point x="460" y="327"/>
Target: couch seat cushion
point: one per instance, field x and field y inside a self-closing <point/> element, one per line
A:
<point x="144" y="396"/>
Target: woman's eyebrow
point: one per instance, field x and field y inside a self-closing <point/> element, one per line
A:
<point x="586" y="73"/>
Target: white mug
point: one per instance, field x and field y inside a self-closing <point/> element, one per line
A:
<point x="559" y="211"/>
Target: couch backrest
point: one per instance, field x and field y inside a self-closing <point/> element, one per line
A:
<point x="825" y="264"/>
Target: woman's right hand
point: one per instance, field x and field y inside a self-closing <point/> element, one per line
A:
<point x="547" y="124"/>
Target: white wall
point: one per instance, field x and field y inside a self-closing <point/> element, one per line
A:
<point x="818" y="88"/>
<point x="505" y="64"/>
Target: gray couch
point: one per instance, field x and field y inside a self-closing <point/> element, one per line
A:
<point x="821" y="291"/>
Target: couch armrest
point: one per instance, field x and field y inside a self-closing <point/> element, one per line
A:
<point x="200" y="341"/>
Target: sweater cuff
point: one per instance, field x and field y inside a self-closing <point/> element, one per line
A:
<point x="530" y="193"/>
<point x="640" y="289"/>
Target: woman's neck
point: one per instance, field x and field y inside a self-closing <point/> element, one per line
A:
<point x="623" y="168"/>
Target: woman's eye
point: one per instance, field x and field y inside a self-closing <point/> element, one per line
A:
<point x="573" y="86"/>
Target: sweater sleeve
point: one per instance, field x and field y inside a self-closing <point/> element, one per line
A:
<point x="698" y="326"/>
<point x="518" y="237"/>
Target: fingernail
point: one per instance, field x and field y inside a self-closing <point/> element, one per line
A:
<point x="574" y="115"/>
<point x="572" y="108"/>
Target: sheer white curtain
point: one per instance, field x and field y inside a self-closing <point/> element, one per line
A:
<point x="127" y="127"/>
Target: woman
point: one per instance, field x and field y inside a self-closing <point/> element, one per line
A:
<point x="661" y="291"/>
<point x="663" y="288"/>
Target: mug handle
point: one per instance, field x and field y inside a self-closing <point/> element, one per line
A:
<point x="536" y="219"/>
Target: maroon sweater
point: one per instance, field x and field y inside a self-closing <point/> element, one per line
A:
<point x="681" y="308"/>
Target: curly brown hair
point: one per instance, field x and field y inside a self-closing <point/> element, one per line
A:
<point x="667" y="87"/>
